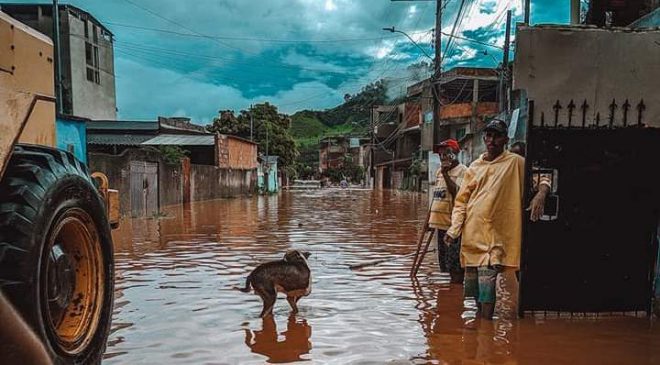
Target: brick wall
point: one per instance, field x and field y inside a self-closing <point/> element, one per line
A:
<point x="235" y="153"/>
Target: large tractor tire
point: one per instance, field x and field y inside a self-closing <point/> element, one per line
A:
<point x="56" y="254"/>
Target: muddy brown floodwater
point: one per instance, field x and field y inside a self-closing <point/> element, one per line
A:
<point x="174" y="302"/>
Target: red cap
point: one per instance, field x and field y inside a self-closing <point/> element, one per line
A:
<point x="449" y="143"/>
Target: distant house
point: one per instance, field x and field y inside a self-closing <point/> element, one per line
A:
<point x="135" y="157"/>
<point x="332" y="151"/>
<point x="404" y="133"/>
<point x="469" y="101"/>
<point x="87" y="51"/>
<point x="114" y="137"/>
<point x="335" y="151"/>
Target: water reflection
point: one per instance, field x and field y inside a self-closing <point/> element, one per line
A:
<point x="280" y="348"/>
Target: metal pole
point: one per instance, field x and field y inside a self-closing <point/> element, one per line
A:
<point x="251" y="124"/>
<point x="575" y="11"/>
<point x="435" y="79"/>
<point x="527" y="6"/>
<point x="58" y="56"/>
<point x="505" y="65"/>
<point x="373" y="144"/>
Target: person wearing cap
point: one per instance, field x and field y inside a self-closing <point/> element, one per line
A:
<point x="487" y="215"/>
<point x="447" y="182"/>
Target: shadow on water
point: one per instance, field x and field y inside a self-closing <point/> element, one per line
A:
<point x="174" y="302"/>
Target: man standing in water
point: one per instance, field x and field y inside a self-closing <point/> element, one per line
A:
<point x="448" y="180"/>
<point x="488" y="216"/>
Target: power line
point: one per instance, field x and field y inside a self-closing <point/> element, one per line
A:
<point x="255" y="39"/>
<point x="181" y="25"/>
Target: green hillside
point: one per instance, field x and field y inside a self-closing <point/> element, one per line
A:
<point x="349" y="118"/>
<point x="305" y="124"/>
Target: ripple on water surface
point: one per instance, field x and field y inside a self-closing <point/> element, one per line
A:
<point x="174" y="302"/>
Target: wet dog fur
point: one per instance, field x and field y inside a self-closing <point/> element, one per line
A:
<point x="290" y="275"/>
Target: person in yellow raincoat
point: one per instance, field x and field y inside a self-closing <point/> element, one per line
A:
<point x="487" y="215"/>
<point x="448" y="179"/>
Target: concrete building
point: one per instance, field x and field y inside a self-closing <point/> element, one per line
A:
<point x="469" y="100"/>
<point x="88" y="72"/>
<point x="403" y="133"/>
<point x="332" y="152"/>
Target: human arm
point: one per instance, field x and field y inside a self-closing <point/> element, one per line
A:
<point x="452" y="188"/>
<point x="537" y="204"/>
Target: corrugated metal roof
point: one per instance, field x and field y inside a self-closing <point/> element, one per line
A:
<point x="122" y="125"/>
<point x="117" y="139"/>
<point x="181" y="140"/>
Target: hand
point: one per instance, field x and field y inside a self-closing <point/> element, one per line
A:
<point x="445" y="166"/>
<point x="536" y="206"/>
<point x="448" y="240"/>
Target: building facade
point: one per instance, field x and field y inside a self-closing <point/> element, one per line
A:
<point x="87" y="52"/>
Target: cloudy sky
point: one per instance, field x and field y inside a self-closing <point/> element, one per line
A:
<point x="193" y="58"/>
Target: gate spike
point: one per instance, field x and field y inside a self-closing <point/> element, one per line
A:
<point x="570" y="107"/>
<point x="597" y="119"/>
<point x="625" y="108"/>
<point x="556" y="107"/>
<point x="640" y="110"/>
<point x="613" y="107"/>
<point x="542" y="119"/>
<point x="584" y="108"/>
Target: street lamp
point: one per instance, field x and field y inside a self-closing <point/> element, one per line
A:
<point x="393" y="30"/>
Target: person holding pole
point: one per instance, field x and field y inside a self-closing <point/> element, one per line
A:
<point x="447" y="182"/>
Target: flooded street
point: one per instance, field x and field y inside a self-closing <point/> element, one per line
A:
<point x="174" y="302"/>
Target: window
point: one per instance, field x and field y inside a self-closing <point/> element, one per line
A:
<point x="92" y="59"/>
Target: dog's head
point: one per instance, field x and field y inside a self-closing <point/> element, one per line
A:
<point x="296" y="256"/>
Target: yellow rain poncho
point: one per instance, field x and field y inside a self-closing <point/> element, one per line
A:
<point x="487" y="212"/>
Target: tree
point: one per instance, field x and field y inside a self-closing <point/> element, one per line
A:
<point x="419" y="71"/>
<point x="270" y="131"/>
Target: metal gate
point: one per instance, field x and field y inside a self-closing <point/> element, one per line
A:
<point x="144" y="188"/>
<point x="595" y="248"/>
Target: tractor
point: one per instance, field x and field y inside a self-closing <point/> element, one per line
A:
<point x="56" y="250"/>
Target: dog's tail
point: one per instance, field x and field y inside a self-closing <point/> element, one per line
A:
<point x="248" y="285"/>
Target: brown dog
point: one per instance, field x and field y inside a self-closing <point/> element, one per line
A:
<point x="290" y="276"/>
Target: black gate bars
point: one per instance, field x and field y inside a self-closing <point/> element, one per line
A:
<point x="624" y="112"/>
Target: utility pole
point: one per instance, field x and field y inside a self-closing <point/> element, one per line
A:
<point x="504" y="79"/>
<point x="435" y="79"/>
<point x="251" y="124"/>
<point x="58" y="57"/>
<point x="372" y="159"/>
<point x="575" y="12"/>
<point x="527" y="6"/>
